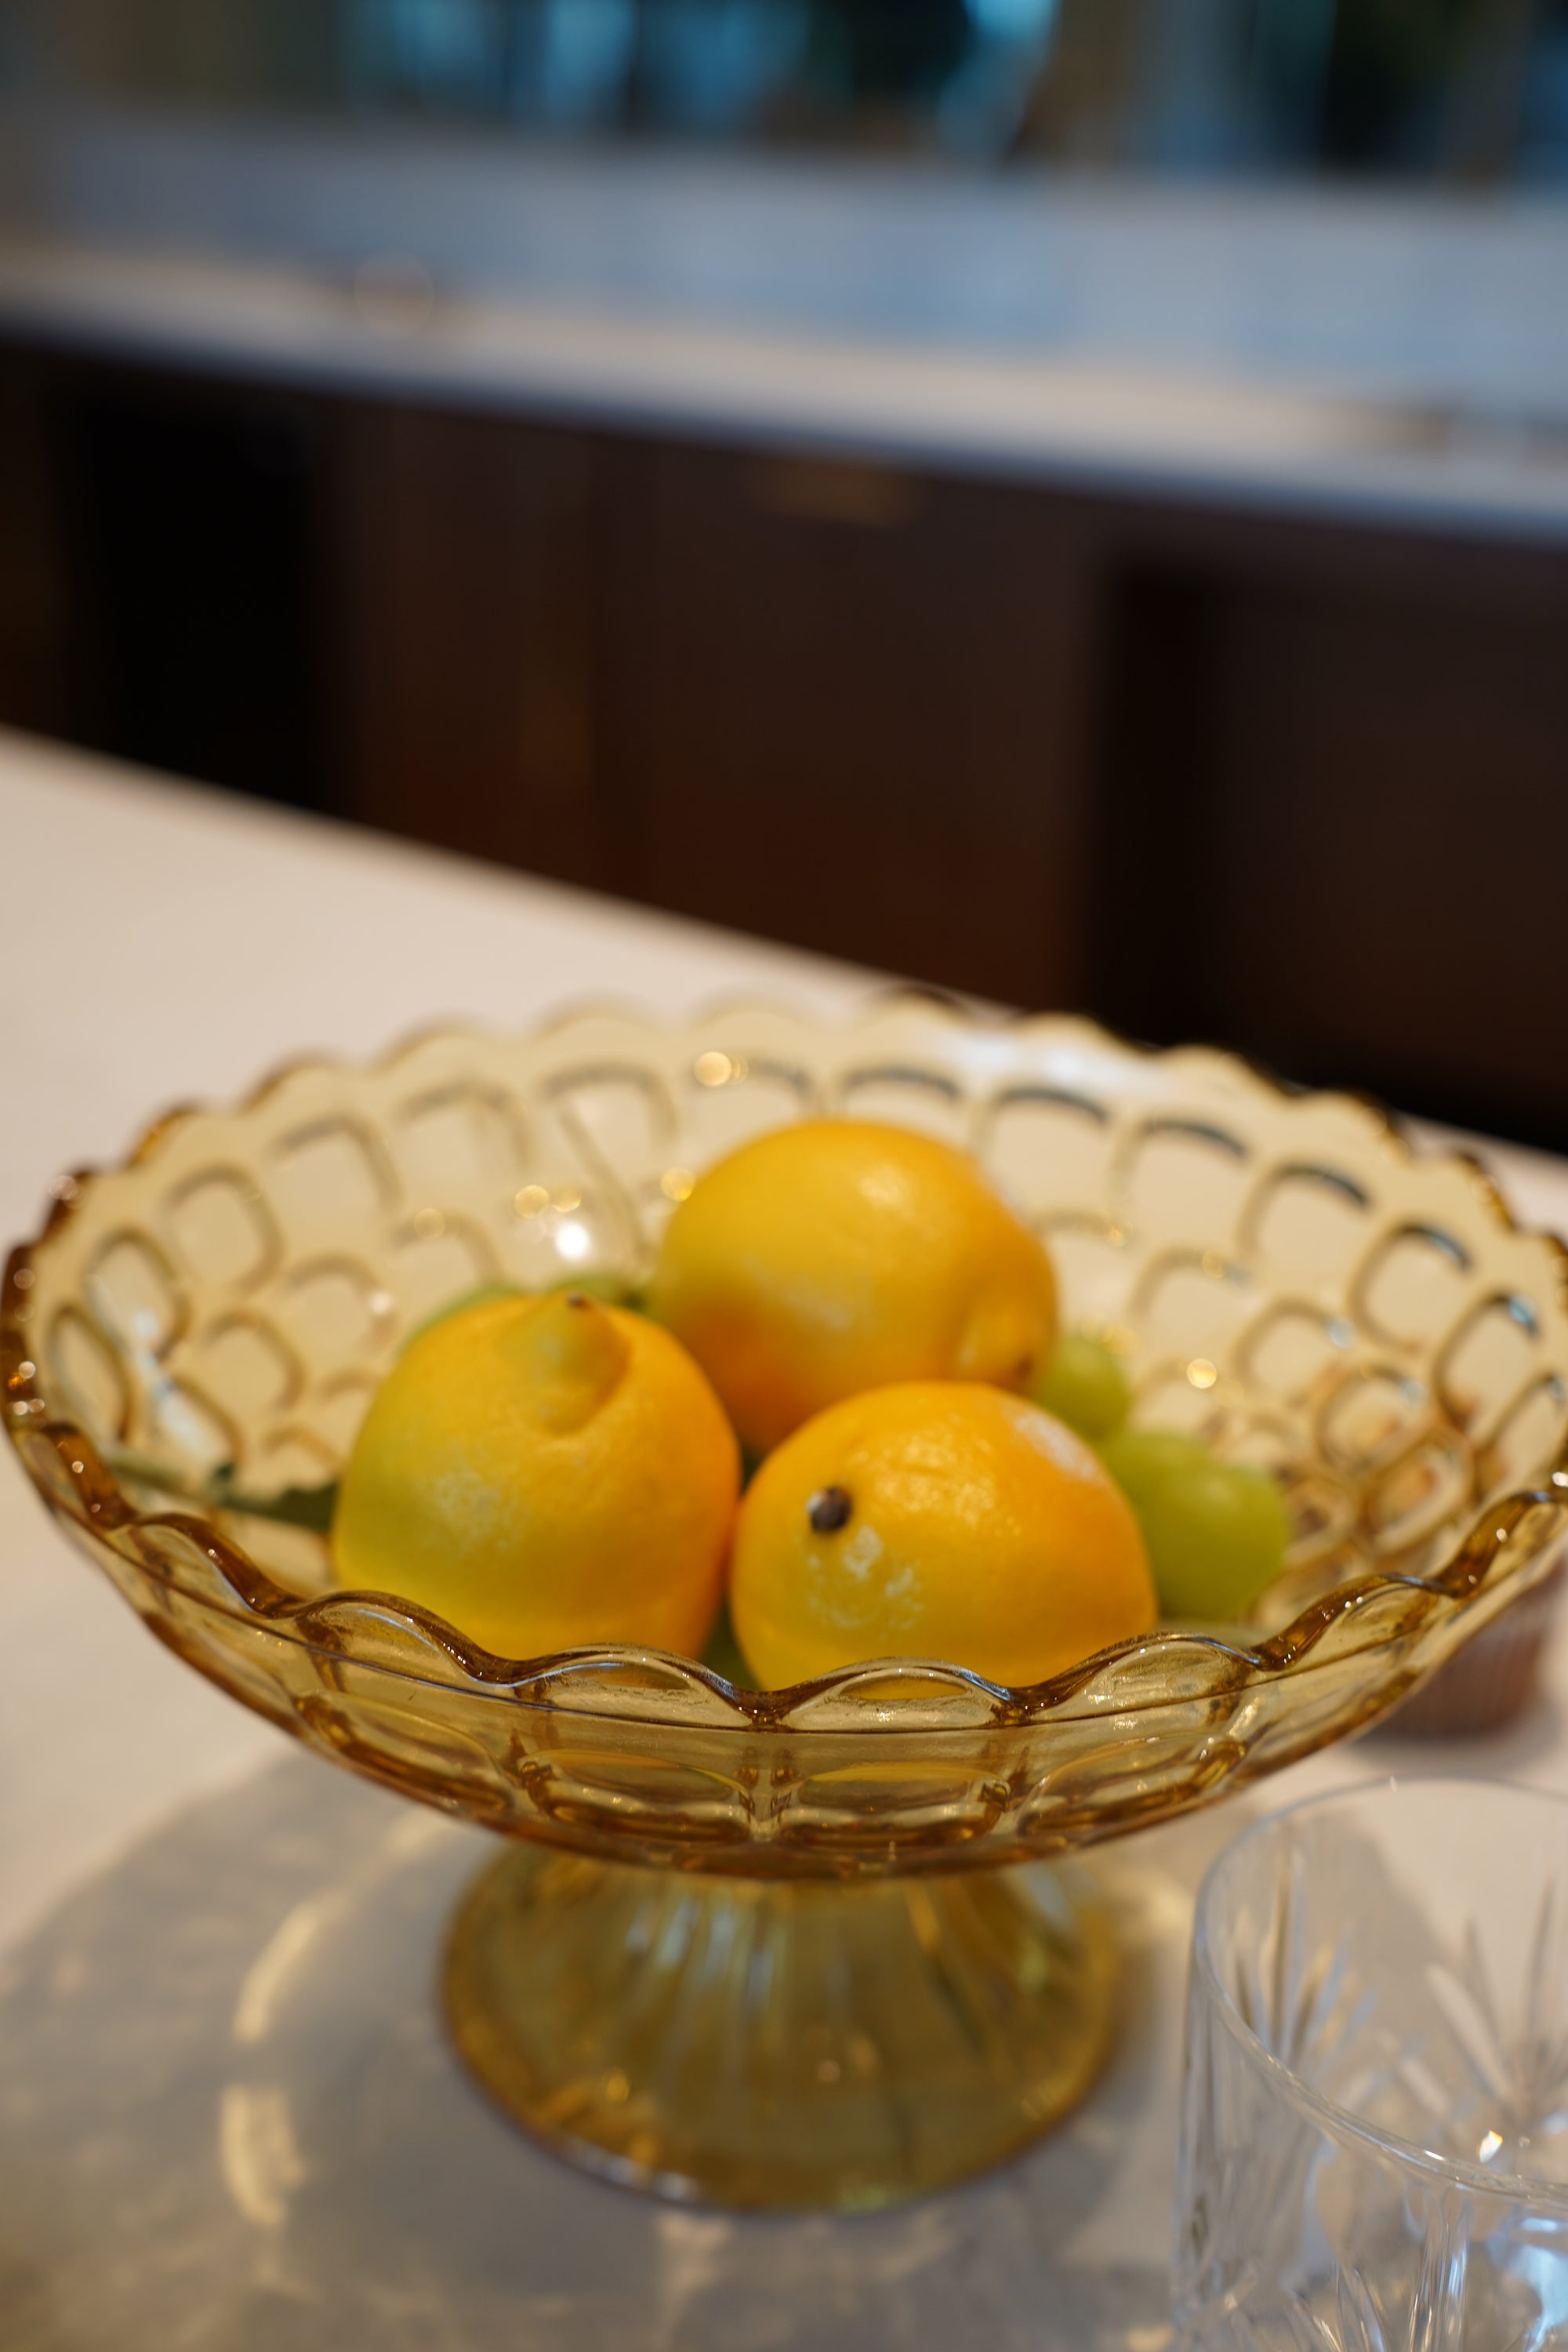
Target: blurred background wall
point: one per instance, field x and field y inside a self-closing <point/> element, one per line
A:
<point x="1062" y="499"/>
<point x="1470" y="89"/>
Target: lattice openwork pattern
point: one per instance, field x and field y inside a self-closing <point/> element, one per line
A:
<point x="1285" y="1276"/>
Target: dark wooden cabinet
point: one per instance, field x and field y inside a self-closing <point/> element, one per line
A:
<point x="463" y="645"/>
<point x="34" y="622"/>
<point x="1336" y="812"/>
<point x="1301" y="787"/>
<point x="1386" y="802"/>
<point x="847" y="712"/>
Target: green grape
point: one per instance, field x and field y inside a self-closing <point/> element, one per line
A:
<point x="1142" y="1459"/>
<point x="1085" y="1386"/>
<point x="1216" y="1533"/>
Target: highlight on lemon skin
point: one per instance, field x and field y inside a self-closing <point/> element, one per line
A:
<point x="836" y="1255"/>
<point x="544" y="1474"/>
<point x="935" y="1519"/>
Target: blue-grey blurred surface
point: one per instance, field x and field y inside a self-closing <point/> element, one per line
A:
<point x="1353" y="344"/>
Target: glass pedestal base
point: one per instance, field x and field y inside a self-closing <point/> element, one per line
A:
<point x="780" y="2046"/>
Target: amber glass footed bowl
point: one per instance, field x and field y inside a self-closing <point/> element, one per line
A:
<point x="756" y="1948"/>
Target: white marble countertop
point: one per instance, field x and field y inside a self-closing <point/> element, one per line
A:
<point x="1369" y="354"/>
<point x="163" y="943"/>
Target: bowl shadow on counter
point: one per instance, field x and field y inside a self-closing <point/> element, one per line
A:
<point x="230" y="2119"/>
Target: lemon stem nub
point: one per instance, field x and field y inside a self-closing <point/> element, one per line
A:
<point x="829" y="1509"/>
<point x="574" y="1356"/>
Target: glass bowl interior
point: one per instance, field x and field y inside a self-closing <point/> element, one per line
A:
<point x="205" y="1325"/>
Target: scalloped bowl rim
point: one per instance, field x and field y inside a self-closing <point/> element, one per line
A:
<point x="267" y="1604"/>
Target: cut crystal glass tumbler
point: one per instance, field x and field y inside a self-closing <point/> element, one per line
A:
<point x="1374" y="2134"/>
<point x="757" y="1947"/>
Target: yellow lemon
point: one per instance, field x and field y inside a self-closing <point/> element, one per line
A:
<point x="935" y="1519"/>
<point x="838" y="1255"/>
<point x="545" y="1472"/>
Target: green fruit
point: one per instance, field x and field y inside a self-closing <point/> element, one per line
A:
<point x="1139" y="1460"/>
<point x="1216" y="1533"/>
<point x="1085" y="1386"/>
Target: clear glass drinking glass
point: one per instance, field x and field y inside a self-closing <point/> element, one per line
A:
<point x="1374" y="2131"/>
